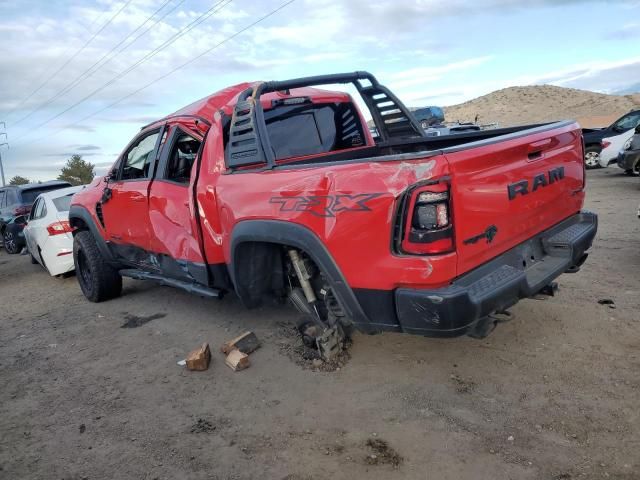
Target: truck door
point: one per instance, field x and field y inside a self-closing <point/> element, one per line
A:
<point x="174" y="232"/>
<point x="126" y="213"/>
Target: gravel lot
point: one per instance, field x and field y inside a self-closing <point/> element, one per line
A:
<point x="553" y="394"/>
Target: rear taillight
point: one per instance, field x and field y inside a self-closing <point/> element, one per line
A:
<point x="58" y="228"/>
<point x="428" y="228"/>
<point x="604" y="144"/>
<point x="23" y="210"/>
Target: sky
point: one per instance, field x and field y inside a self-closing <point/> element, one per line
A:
<point x="82" y="77"/>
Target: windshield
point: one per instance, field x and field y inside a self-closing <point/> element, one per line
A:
<point x="632" y="120"/>
<point x="63" y="203"/>
<point x="29" y="196"/>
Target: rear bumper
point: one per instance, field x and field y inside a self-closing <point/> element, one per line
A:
<point x="498" y="284"/>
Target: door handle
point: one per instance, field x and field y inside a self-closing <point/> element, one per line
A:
<point x="535" y="149"/>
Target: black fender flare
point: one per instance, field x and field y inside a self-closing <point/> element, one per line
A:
<point x="297" y="236"/>
<point x="77" y="212"/>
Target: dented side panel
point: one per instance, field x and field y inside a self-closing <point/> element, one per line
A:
<point x="171" y="222"/>
<point x="350" y="207"/>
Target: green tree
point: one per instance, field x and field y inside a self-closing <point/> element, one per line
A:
<point x="77" y="171"/>
<point x="18" y="180"/>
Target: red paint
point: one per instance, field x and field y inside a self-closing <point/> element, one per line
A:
<point x="161" y="217"/>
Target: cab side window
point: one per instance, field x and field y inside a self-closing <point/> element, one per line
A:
<point x="3" y="196"/>
<point x="139" y="157"/>
<point x="183" y="154"/>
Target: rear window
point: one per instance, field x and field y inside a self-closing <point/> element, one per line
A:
<point x="296" y="131"/>
<point x="29" y="196"/>
<point x="63" y="203"/>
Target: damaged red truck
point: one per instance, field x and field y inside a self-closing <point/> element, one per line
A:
<point x="278" y="189"/>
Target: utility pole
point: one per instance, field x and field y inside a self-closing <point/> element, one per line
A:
<point x="2" y="145"/>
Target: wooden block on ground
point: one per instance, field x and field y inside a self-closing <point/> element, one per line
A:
<point x="246" y="343"/>
<point x="237" y="360"/>
<point x="199" y="359"/>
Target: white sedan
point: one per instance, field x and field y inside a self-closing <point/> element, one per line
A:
<point x="48" y="233"/>
<point x="611" y="146"/>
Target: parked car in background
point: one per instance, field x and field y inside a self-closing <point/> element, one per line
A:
<point x="451" y="129"/>
<point x="629" y="156"/>
<point x="16" y="201"/>
<point x="48" y="233"/>
<point x="593" y="138"/>
<point x="429" y="116"/>
<point x="612" y="146"/>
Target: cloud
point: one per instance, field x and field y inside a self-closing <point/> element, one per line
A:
<point x="626" y="32"/>
<point x="421" y="75"/>
<point x="69" y="154"/>
<point x="84" y="147"/>
<point x="599" y="76"/>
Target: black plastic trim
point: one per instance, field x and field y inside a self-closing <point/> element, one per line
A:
<point x="493" y="286"/>
<point x="291" y="234"/>
<point x="81" y="213"/>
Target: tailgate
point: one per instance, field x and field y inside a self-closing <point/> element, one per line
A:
<point x="507" y="189"/>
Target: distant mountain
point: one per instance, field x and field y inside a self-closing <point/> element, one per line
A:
<point x="633" y="89"/>
<point x="543" y="103"/>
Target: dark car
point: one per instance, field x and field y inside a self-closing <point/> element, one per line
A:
<point x="593" y="136"/>
<point x="15" y="205"/>
<point x="429" y="116"/>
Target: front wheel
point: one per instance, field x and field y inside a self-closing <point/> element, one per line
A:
<point x="98" y="280"/>
<point x="592" y="157"/>
<point x="10" y="242"/>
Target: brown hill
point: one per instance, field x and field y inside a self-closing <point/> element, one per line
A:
<point x="543" y="103"/>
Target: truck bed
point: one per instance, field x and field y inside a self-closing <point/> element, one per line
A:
<point x="417" y="147"/>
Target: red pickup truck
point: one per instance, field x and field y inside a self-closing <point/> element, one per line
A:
<point x="278" y="189"/>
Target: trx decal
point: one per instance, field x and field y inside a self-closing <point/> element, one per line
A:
<point x="325" y="205"/>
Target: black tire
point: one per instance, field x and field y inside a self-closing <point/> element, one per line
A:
<point x="592" y="157"/>
<point x="630" y="172"/>
<point x="98" y="280"/>
<point x="10" y="242"/>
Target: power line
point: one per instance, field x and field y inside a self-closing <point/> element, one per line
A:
<point x="218" y="6"/>
<point x="88" y="72"/>
<point x="209" y="50"/>
<point x="69" y="60"/>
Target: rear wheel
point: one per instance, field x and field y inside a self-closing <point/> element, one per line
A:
<point x="98" y="280"/>
<point x="10" y="242"/>
<point x="592" y="157"/>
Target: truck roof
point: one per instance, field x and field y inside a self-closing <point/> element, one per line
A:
<point x="226" y="99"/>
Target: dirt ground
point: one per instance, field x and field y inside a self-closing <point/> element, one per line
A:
<point x="553" y="394"/>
